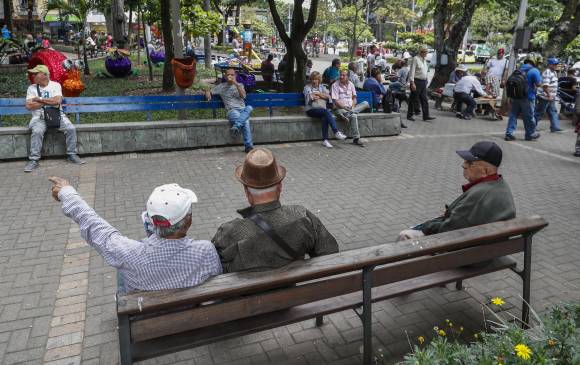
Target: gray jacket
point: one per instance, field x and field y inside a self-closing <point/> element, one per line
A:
<point x="485" y="202"/>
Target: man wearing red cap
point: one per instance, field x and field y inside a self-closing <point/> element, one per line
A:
<point x="494" y="71"/>
<point x="167" y="259"/>
<point x="269" y="235"/>
<point x="486" y="198"/>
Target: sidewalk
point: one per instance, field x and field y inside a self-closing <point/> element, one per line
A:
<point x="58" y="304"/>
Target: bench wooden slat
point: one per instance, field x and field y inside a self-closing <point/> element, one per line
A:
<point x="182" y="341"/>
<point x="237" y="284"/>
<point x="213" y="314"/>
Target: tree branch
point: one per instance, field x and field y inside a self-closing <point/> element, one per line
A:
<point x="278" y="22"/>
<point x="312" y="15"/>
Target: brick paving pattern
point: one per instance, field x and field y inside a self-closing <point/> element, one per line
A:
<point x="57" y="304"/>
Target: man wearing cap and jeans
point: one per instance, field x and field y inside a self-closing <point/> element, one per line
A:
<point x="50" y="95"/>
<point x="486" y="197"/>
<point x="418" y="79"/>
<point x="167" y="259"/>
<point x="548" y="95"/>
<point x="466" y="86"/>
<point x="269" y="235"/>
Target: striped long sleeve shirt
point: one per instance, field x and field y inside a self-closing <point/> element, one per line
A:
<point x="154" y="263"/>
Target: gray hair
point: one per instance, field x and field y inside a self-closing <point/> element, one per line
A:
<point x="165" y="232"/>
<point x="257" y="192"/>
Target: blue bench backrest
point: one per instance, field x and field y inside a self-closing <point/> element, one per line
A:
<point x="164" y="102"/>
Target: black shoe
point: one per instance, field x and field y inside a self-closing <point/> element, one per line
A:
<point x="431" y="118"/>
<point x="411" y="119"/>
<point x="234" y="132"/>
<point x="509" y="137"/>
<point x="467" y="117"/>
<point x="358" y="142"/>
<point x="556" y="130"/>
<point x="248" y="149"/>
<point x="459" y="115"/>
<point x="533" y="137"/>
<point x="577" y="153"/>
<point x="31" y="165"/>
<point x="403" y="125"/>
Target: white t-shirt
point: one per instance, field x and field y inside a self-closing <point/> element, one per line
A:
<point x="406" y="55"/>
<point x="496" y="67"/>
<point x="467" y="84"/>
<point x="49" y="91"/>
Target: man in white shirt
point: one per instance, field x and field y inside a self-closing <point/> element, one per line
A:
<point x="495" y="70"/>
<point x="548" y="95"/>
<point x="46" y="93"/>
<point x="418" y="80"/>
<point x="466" y="85"/>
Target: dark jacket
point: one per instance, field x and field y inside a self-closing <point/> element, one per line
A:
<point x="242" y="245"/>
<point x="486" y="202"/>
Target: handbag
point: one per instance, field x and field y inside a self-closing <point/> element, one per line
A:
<point x="51" y="114"/>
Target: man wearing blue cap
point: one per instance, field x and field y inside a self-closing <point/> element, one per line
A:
<point x="486" y="198"/>
<point x="548" y="95"/>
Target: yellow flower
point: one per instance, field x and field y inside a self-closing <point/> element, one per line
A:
<point x="476" y="336"/>
<point x="450" y="324"/>
<point x="441" y="333"/>
<point x="552" y="342"/>
<point x="461" y="329"/>
<point x="447" y="320"/>
<point x="497" y="301"/>
<point x="421" y="340"/>
<point x="523" y="351"/>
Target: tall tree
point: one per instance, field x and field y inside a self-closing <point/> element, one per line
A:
<point x="168" y="84"/>
<point x="566" y="30"/>
<point x="119" y="23"/>
<point x="8" y="13"/>
<point x="296" y="57"/>
<point x="450" y="20"/>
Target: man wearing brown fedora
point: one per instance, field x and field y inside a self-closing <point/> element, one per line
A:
<point x="269" y="235"/>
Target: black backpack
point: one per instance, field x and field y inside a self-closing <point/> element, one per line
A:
<point x="517" y="85"/>
<point x="389" y="102"/>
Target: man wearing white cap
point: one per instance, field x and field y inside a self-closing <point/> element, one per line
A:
<point x="462" y="93"/>
<point x="41" y="96"/>
<point x="167" y="259"/>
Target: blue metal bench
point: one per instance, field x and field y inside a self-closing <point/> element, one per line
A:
<point x="149" y="104"/>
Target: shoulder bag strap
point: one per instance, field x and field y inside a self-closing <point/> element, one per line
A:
<point x="264" y="226"/>
<point x="38" y="90"/>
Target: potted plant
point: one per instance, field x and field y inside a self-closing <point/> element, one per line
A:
<point x="117" y="62"/>
<point x="184" y="71"/>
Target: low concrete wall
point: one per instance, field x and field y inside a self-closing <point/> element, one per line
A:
<point x="170" y="135"/>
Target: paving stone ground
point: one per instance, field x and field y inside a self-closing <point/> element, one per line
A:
<point x="57" y="303"/>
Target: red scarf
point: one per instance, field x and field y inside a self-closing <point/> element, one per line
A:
<point x="493" y="177"/>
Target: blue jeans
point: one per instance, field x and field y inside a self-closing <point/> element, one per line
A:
<point x="461" y="98"/>
<point x="327" y="120"/>
<point x="240" y="118"/>
<point x="525" y="107"/>
<point x="550" y="107"/>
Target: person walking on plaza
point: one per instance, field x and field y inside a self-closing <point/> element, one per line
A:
<point x="462" y="93"/>
<point x="316" y="97"/>
<point x="343" y="95"/>
<point x="233" y="94"/>
<point x="371" y="59"/>
<point x="521" y="89"/>
<point x="41" y="96"/>
<point x="486" y="197"/>
<point x="495" y="72"/>
<point x="166" y="259"/>
<point x="418" y="80"/>
<point x="548" y="95"/>
<point x="269" y="235"/>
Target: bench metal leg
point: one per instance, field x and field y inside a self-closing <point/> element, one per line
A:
<point x="367" y="315"/>
<point x="125" y="340"/>
<point x="526" y="277"/>
<point x="319" y="321"/>
<point x="459" y="285"/>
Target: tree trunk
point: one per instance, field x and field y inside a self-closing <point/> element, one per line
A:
<point x="207" y="42"/>
<point x="129" y="30"/>
<point x="30" y="10"/>
<point x="353" y="39"/>
<point x="8" y="14"/>
<point x="118" y="16"/>
<point x="149" y="66"/>
<point x="449" y="44"/>
<point x="566" y="30"/>
<point x="168" y="84"/>
<point x="108" y="20"/>
<point x="238" y="6"/>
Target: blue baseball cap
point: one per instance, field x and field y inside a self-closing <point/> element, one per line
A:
<point x="553" y="61"/>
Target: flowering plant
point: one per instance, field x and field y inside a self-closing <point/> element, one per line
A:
<point x="116" y="53"/>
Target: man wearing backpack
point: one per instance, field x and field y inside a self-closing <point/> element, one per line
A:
<point x="521" y="89"/>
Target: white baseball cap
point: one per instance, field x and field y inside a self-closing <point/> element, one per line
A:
<point x="171" y="202"/>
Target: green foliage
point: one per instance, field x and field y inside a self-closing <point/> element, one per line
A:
<point x="197" y="21"/>
<point x="553" y="341"/>
<point x="343" y="26"/>
<point x="492" y="22"/>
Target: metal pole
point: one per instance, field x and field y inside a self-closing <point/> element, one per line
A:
<point x="526" y="278"/>
<point x="513" y="52"/>
<point x="367" y="316"/>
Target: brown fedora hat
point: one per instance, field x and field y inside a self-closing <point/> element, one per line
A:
<point x="260" y="169"/>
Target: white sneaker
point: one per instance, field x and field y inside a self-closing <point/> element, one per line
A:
<point x="340" y="135"/>
<point x="327" y="144"/>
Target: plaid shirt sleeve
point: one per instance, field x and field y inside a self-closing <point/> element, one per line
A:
<point x="95" y="230"/>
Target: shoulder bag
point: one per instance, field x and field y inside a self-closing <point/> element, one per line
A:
<point x="51" y="113"/>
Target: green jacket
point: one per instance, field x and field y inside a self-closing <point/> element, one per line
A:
<point x="483" y="203"/>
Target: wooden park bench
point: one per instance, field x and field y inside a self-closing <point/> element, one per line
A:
<point x="148" y="104"/>
<point x="236" y="304"/>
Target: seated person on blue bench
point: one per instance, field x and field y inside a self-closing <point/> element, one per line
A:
<point x="233" y="94"/>
<point x="486" y="197"/>
<point x="46" y="93"/>
<point x="316" y="97"/>
<point x="381" y="95"/>
<point x="343" y="95"/>
<point x="269" y="235"/>
<point x="331" y="74"/>
<point x="167" y="259"/>
<point x="464" y="89"/>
